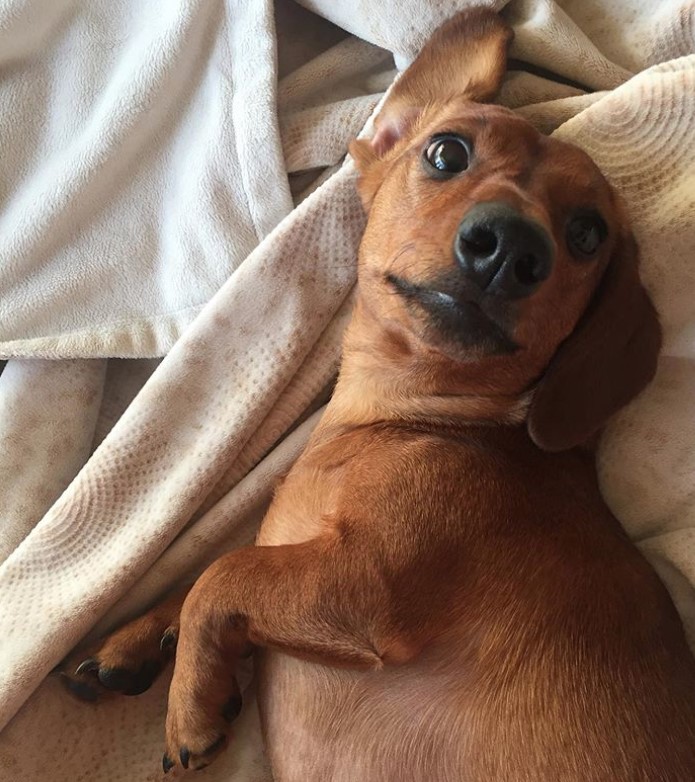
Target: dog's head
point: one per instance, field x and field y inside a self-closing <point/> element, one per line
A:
<point x="497" y="259"/>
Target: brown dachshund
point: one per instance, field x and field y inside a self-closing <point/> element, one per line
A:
<point x="439" y="591"/>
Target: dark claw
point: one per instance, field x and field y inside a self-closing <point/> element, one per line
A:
<point x="130" y="682"/>
<point x="167" y="763"/>
<point x="184" y="756"/>
<point x="168" y="642"/>
<point x="87" y="666"/>
<point x="232" y="708"/>
<point x="80" y="689"/>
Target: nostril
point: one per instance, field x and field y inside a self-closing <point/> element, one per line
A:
<point x="530" y="269"/>
<point x="480" y="241"/>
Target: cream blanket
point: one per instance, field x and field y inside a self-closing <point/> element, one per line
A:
<point x="146" y="157"/>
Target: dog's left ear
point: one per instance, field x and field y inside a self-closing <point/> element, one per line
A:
<point x="606" y="361"/>
<point x="465" y="59"/>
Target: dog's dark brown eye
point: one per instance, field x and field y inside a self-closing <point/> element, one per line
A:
<point x="585" y="234"/>
<point x="447" y="155"/>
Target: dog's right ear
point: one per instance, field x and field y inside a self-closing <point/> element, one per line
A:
<point x="465" y="59"/>
<point x="608" y="359"/>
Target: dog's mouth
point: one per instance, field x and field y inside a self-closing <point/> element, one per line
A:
<point x="458" y="313"/>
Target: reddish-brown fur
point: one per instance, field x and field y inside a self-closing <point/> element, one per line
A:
<point x="434" y="596"/>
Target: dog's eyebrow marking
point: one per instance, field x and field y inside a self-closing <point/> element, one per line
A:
<point x="524" y="177"/>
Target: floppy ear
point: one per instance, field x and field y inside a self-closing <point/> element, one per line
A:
<point x="608" y="359"/>
<point x="465" y="59"/>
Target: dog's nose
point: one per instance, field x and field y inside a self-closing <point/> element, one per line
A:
<point x="502" y="251"/>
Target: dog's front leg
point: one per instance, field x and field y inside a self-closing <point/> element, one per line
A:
<point x="325" y="599"/>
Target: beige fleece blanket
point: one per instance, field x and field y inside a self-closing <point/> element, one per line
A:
<point x="187" y="468"/>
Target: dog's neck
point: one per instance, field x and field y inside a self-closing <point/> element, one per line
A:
<point x="382" y="379"/>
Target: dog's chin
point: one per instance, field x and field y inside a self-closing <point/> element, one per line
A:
<point x="454" y="318"/>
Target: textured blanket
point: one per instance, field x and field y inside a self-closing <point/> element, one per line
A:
<point x="162" y="192"/>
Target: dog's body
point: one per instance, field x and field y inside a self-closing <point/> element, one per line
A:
<point x="439" y="592"/>
<point x="529" y="617"/>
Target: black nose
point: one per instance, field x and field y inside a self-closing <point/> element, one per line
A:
<point x="502" y="251"/>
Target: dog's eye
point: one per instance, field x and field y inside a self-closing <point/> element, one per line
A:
<point x="447" y="155"/>
<point x="585" y="233"/>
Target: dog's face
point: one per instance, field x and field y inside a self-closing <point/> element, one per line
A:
<point x="487" y="243"/>
<point x="485" y="237"/>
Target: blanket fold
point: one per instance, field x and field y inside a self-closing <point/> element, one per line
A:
<point x="132" y="189"/>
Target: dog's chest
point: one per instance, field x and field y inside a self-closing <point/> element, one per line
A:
<point x="435" y="488"/>
<point x="303" y="503"/>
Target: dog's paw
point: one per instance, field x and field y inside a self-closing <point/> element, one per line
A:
<point x="197" y="732"/>
<point x="126" y="662"/>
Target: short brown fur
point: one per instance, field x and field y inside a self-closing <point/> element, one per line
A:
<point x="434" y="596"/>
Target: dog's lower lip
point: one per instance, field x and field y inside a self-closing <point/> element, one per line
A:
<point x="434" y="295"/>
<point x="446" y="298"/>
<point x="413" y="289"/>
<point x="455" y="311"/>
